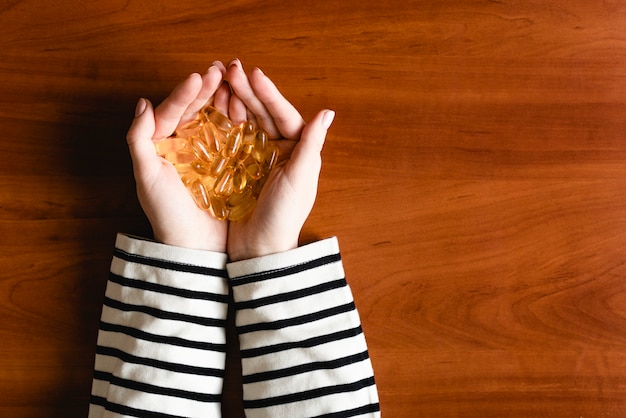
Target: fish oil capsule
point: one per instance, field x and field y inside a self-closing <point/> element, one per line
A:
<point x="189" y="129"/>
<point x="237" y="199"/>
<point x="245" y="151"/>
<point x="170" y="145"/>
<point x="219" y="120"/>
<point x="218" y="165"/>
<point x="211" y="138"/>
<point x="271" y="157"/>
<point x="180" y="157"/>
<point x="240" y="177"/>
<point x="254" y="170"/>
<point x="201" y="149"/>
<point x="200" y="167"/>
<point x="242" y="210"/>
<point x="224" y="183"/>
<point x="234" y="139"/>
<point x="260" y="145"/>
<point x="218" y="207"/>
<point x="200" y="194"/>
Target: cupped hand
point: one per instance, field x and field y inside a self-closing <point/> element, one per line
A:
<point x="174" y="216"/>
<point x="289" y="193"/>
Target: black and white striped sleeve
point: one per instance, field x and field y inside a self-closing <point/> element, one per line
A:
<point x="303" y="351"/>
<point x="161" y="345"/>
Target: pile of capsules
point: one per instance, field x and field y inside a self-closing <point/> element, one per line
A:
<point x="224" y="166"/>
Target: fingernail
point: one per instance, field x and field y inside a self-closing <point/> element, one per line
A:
<point x="141" y="107"/>
<point x="327" y="119"/>
<point x="236" y="63"/>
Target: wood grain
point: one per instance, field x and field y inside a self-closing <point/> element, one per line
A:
<point x="474" y="176"/>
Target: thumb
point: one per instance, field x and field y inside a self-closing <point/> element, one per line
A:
<point x="139" y="136"/>
<point x="306" y="154"/>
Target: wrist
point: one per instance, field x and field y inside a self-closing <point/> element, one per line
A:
<point x="192" y="242"/>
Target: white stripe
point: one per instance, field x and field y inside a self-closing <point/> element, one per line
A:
<point x="162" y="352"/>
<point x="166" y="302"/>
<point x="309" y="380"/>
<point x="295" y="357"/>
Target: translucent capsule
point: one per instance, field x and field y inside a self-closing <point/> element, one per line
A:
<point x="180" y="157"/>
<point x="211" y="138"/>
<point x="237" y="199"/>
<point x="200" y="167"/>
<point x="170" y="145"/>
<point x="254" y="170"/>
<point x="240" y="178"/>
<point x="224" y="183"/>
<point x="271" y="157"/>
<point x="244" y="151"/>
<point x="239" y="212"/>
<point x="189" y="129"/>
<point x="218" y="207"/>
<point x="234" y="139"/>
<point x="218" y="165"/>
<point x="201" y="149"/>
<point x="200" y="194"/>
<point x="219" y="120"/>
<point x="260" y="146"/>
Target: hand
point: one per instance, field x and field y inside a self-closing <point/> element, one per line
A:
<point x="172" y="212"/>
<point x="289" y="193"/>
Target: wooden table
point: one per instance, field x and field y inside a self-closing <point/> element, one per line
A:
<point x="474" y="175"/>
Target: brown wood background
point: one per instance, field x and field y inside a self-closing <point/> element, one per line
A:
<point x="474" y="175"/>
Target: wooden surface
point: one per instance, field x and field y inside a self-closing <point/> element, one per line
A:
<point x="474" y="175"/>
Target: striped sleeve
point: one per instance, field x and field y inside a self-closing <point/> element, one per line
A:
<point x="161" y="345"/>
<point x="303" y="351"/>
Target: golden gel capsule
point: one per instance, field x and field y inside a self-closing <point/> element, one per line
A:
<point x="254" y="170"/>
<point x="170" y="145"/>
<point x="239" y="212"/>
<point x="271" y="156"/>
<point x="218" y="165"/>
<point x="240" y="177"/>
<point x="233" y="143"/>
<point x="220" y="121"/>
<point x="224" y="183"/>
<point x="211" y="138"/>
<point x="218" y="207"/>
<point x="199" y="167"/>
<point x="260" y="145"/>
<point x="245" y="151"/>
<point x="180" y="157"/>
<point x="201" y="149"/>
<point x="200" y="194"/>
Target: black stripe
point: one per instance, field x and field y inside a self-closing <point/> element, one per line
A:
<point x="308" y="394"/>
<point x="159" y="364"/>
<point x="157" y="390"/>
<point x="162" y="339"/>
<point x="308" y="343"/>
<point x="127" y="410"/>
<point x="304" y="368"/>
<point x="298" y="320"/>
<point x="168" y="290"/>
<point x="169" y="265"/>
<point x="158" y="313"/>
<point x="296" y="294"/>
<point x="371" y="408"/>
<point x="271" y="274"/>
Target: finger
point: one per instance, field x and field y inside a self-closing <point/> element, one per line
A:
<point x="140" y="134"/>
<point x="168" y="114"/>
<point x="286" y="117"/>
<point x="210" y="82"/>
<point x="237" y="110"/>
<point x="305" y="158"/>
<point x="242" y="88"/>
<point x="222" y="98"/>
